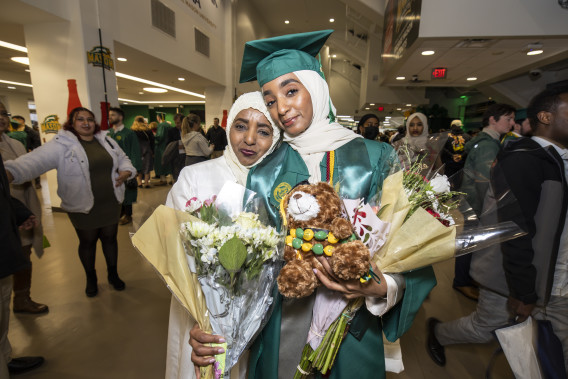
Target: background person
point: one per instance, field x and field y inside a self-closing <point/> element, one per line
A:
<point x="368" y="126"/>
<point x="197" y="149"/>
<point x="91" y="171"/>
<point x="146" y="143"/>
<point x="12" y="149"/>
<point x="13" y="214"/>
<point x="161" y="141"/>
<point x="216" y="136"/>
<point x="252" y="135"/>
<point x="174" y="135"/>
<point x="128" y="142"/>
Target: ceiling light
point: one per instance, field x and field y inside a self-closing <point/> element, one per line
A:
<point x="16" y="83"/>
<point x="398" y="109"/>
<point x="181" y="79"/>
<point x="367" y="108"/>
<point x="9" y="45"/>
<point x="472" y="78"/>
<point x="334" y="56"/>
<point x="163" y="102"/>
<point x="155" y="90"/>
<point x="331" y="20"/>
<point x="11" y="87"/>
<point x="22" y="60"/>
<point x="408" y="105"/>
<point x="141" y="93"/>
<point x="161" y="106"/>
<point x="125" y="103"/>
<point x="134" y="78"/>
<point x="535" y="52"/>
<point x="428" y="52"/>
<point x="400" y="78"/>
<point x="121" y="59"/>
<point x="371" y="104"/>
<point x="286" y="22"/>
<point x="387" y="117"/>
<point x="27" y="70"/>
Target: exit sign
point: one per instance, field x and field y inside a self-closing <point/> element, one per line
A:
<point x="439" y="72"/>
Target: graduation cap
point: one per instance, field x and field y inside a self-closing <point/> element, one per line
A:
<point x="266" y="59"/>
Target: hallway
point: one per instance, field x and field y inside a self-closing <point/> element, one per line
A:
<point x="122" y="335"/>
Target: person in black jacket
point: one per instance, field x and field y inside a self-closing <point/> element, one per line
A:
<point x="12" y="260"/>
<point x="532" y="278"/>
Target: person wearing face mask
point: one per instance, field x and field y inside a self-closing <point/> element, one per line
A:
<point x="252" y="135"/>
<point x="316" y="148"/>
<point x="369" y="126"/>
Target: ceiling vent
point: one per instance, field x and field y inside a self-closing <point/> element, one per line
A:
<point x="475" y="43"/>
<point x="201" y="43"/>
<point x="163" y="18"/>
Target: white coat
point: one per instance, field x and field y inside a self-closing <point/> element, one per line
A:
<point x="65" y="154"/>
<point x="201" y="180"/>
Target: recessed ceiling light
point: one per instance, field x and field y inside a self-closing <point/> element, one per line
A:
<point x="181" y="79"/>
<point x="121" y="59"/>
<point x="334" y="56"/>
<point x="22" y="60"/>
<point x="134" y="78"/>
<point x="13" y="47"/>
<point x="408" y="105"/>
<point x="400" y="78"/>
<point x="155" y="90"/>
<point x="535" y="52"/>
<point x="161" y="106"/>
<point x="387" y="117"/>
<point x="367" y="108"/>
<point x="331" y="20"/>
<point x="16" y="83"/>
<point x="27" y="70"/>
<point x="141" y="93"/>
<point x="163" y="102"/>
<point x="398" y="109"/>
<point x="11" y="87"/>
<point x="428" y="52"/>
<point x="125" y="103"/>
<point x="472" y="78"/>
<point x="371" y="104"/>
<point x="286" y="22"/>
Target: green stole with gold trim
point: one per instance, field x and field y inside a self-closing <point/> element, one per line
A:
<point x="360" y="167"/>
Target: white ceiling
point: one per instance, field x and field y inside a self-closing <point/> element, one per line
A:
<point x="501" y="58"/>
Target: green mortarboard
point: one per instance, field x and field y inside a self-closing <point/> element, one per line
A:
<point x="266" y="59"/>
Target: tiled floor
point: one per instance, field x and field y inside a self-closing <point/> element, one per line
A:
<point x="123" y="334"/>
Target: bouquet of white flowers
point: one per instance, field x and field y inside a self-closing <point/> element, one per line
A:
<point x="220" y="259"/>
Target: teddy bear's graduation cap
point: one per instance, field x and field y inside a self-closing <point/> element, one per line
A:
<point x="266" y="59"/>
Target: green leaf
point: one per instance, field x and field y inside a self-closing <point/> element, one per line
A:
<point x="380" y="212"/>
<point x="232" y="255"/>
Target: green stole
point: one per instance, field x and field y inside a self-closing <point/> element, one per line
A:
<point x="359" y="175"/>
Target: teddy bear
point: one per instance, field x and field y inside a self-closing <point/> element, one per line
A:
<point x="316" y="227"/>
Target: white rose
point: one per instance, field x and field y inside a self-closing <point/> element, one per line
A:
<point x="440" y="184"/>
<point x="198" y="229"/>
<point x="247" y="220"/>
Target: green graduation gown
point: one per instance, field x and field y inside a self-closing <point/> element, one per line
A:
<point x="161" y="140"/>
<point x="360" y="167"/>
<point x="128" y="142"/>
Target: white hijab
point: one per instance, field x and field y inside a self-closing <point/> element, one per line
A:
<point x="322" y="135"/>
<point x="252" y="100"/>
<point x="420" y="141"/>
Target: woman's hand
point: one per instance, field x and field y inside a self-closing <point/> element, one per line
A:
<point x="352" y="289"/>
<point x="9" y="176"/>
<point x="202" y="355"/>
<point x="122" y="177"/>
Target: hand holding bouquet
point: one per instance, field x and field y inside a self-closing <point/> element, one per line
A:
<point x="230" y="260"/>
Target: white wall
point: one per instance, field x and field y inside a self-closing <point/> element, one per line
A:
<point x="181" y="50"/>
<point x="249" y="26"/>
<point x="490" y="18"/>
<point x="16" y="103"/>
